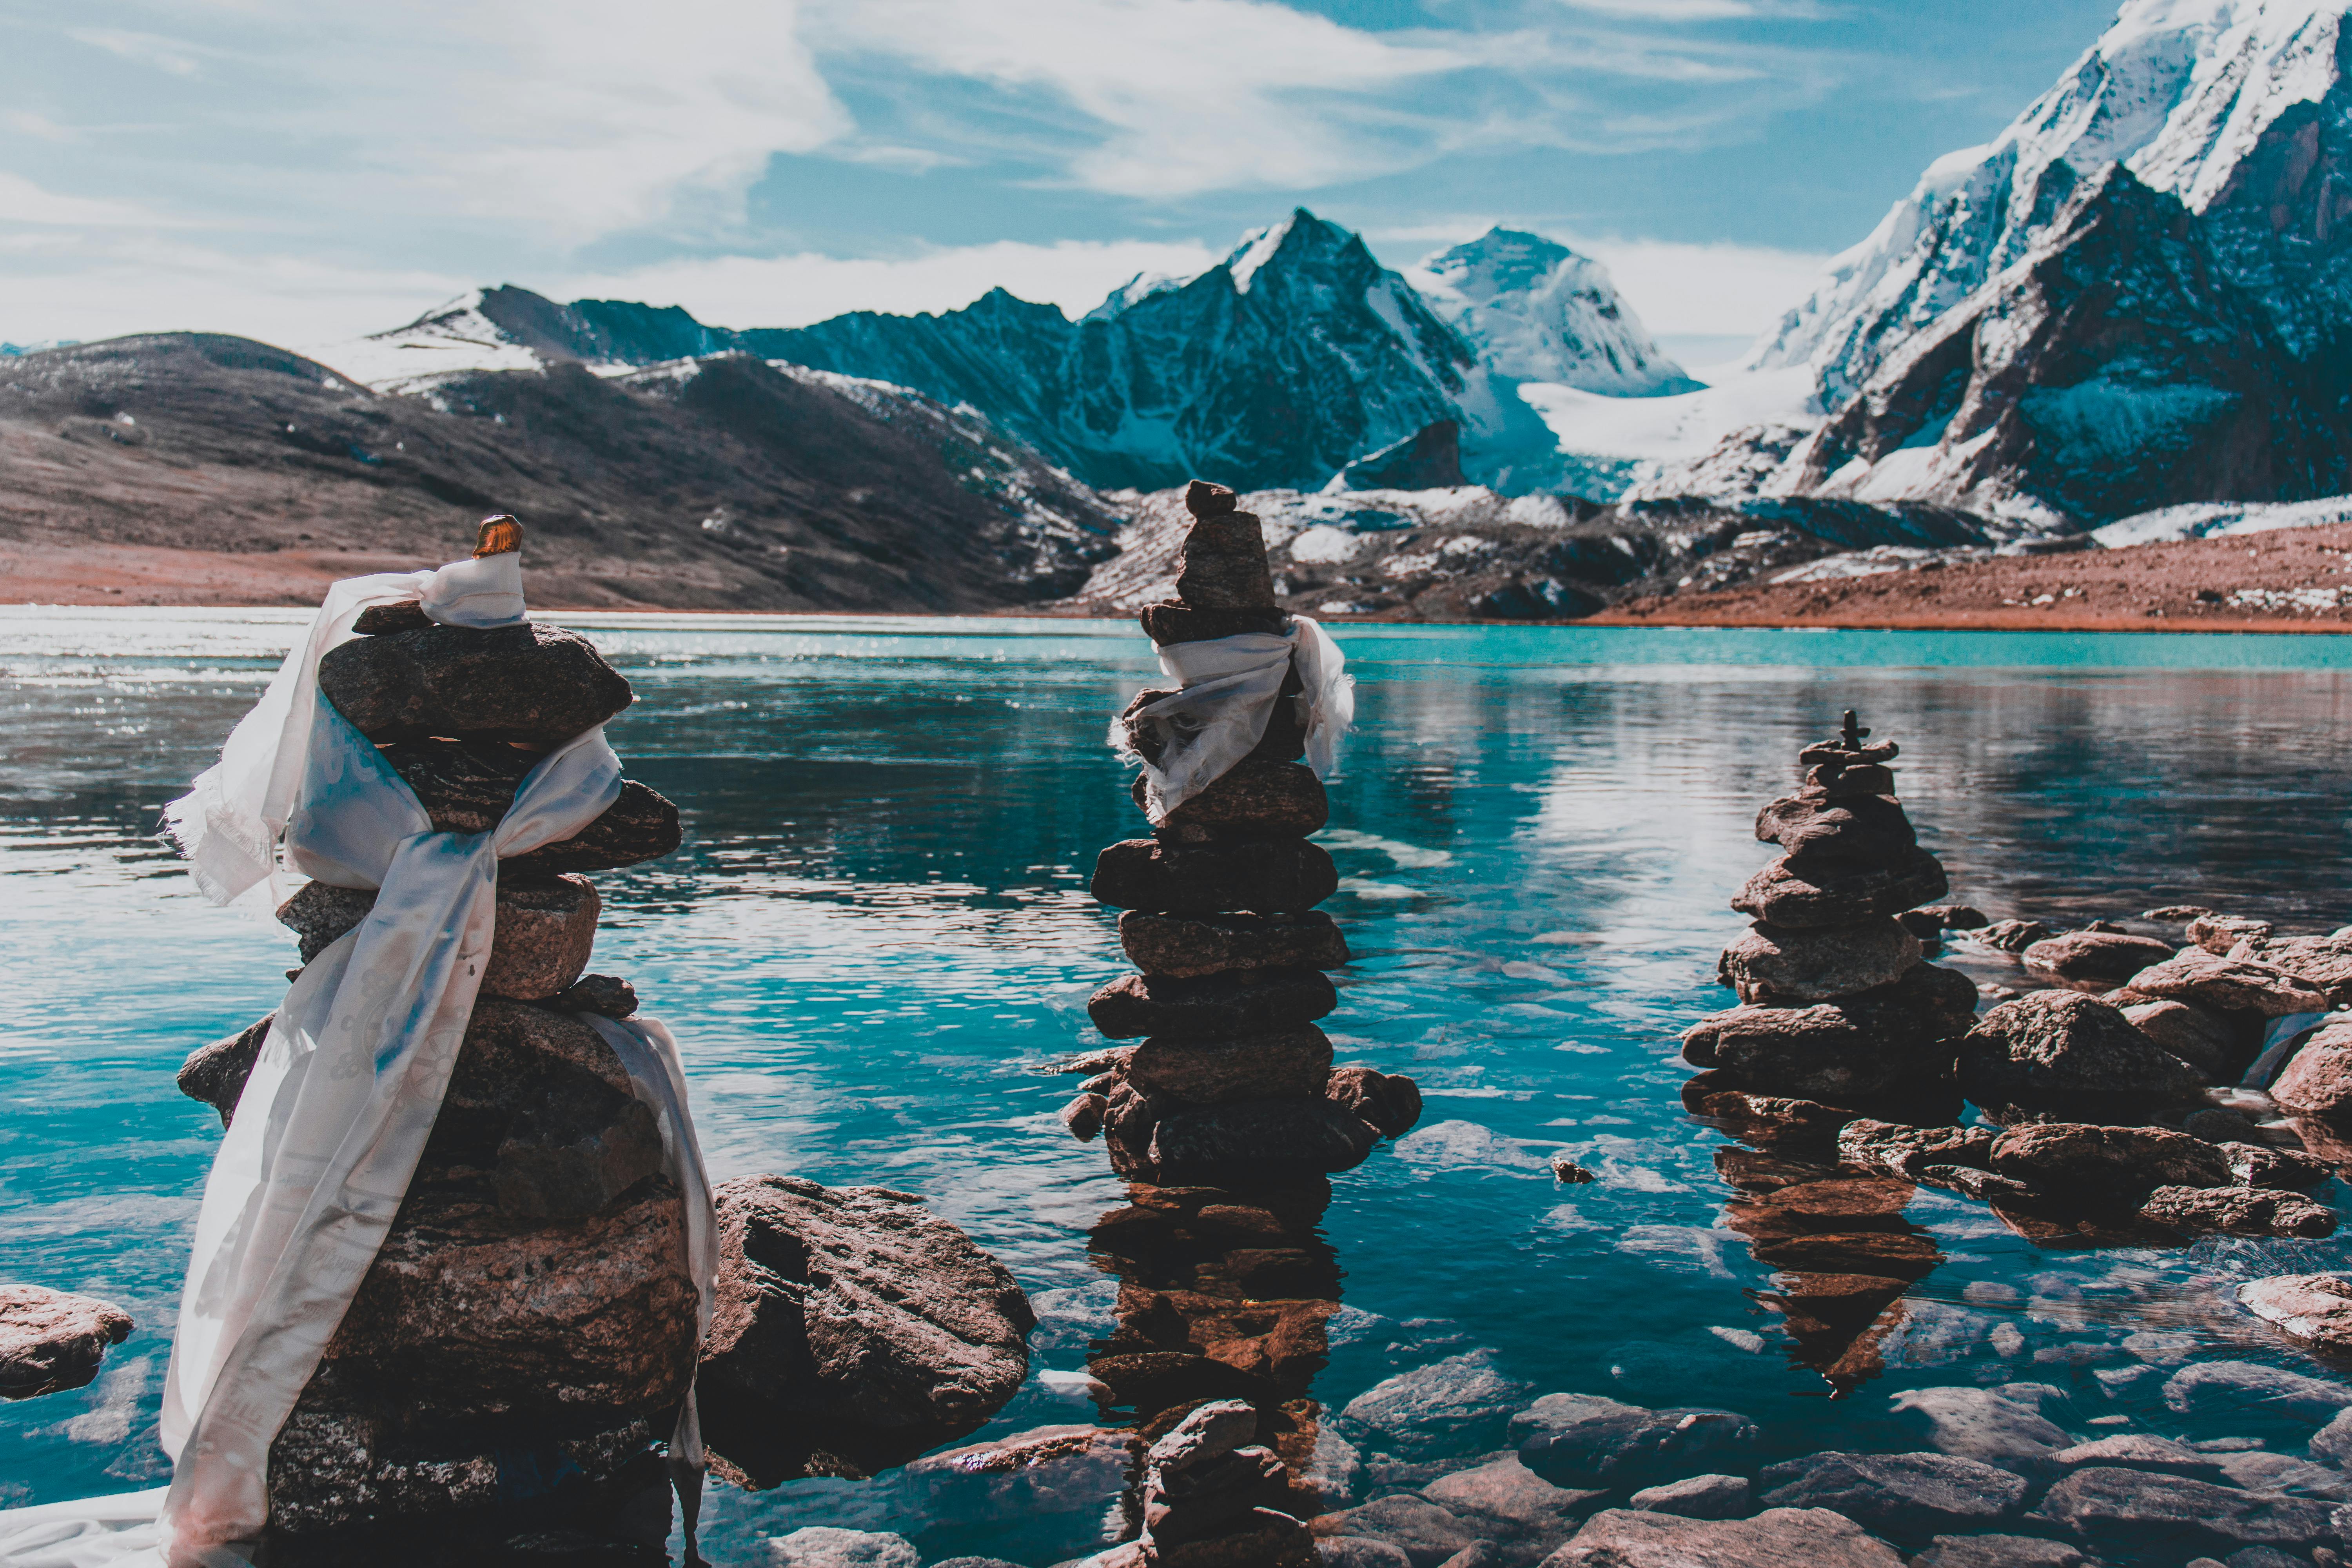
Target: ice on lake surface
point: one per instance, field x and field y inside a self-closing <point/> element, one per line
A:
<point x="880" y="928"/>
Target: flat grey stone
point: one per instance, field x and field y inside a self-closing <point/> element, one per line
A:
<point x="1977" y="1424"/>
<point x="2142" y="1508"/>
<point x="2216" y="1387"/>
<point x="1781" y="1537"/>
<point x="1911" y="1494"/>
<point x="1699" y="1497"/>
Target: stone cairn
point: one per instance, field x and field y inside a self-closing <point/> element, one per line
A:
<point x="1232" y="1078"/>
<point x="529" y="1327"/>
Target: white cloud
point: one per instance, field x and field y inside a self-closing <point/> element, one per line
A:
<point x="1705" y="290"/>
<point x="23" y="202"/>
<point x="793" y="290"/>
<point x="164" y="54"/>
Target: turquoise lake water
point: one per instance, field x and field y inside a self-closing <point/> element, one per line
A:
<point x="880" y="928"/>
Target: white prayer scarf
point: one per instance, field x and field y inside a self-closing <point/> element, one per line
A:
<point x="1227" y="689"/>
<point x="347" y="1085"/>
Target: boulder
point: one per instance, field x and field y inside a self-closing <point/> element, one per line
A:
<point x="1508" y="1491"/>
<point x="1389" y="1103"/>
<point x="1777" y="1538"/>
<point x="2140" y="1451"/>
<point x="2061" y="1043"/>
<point x="1558" y="1412"/>
<point x="2108" y="1506"/>
<point x="51" y="1341"/>
<point x="1637" y="1447"/>
<point x="852" y="1321"/>
<point x="1187" y="946"/>
<point x="1040" y="1471"/>
<point x="2238" y="984"/>
<point x="2207" y="1041"/>
<point x="2238" y="1210"/>
<point x="469" y="1311"/>
<point x="1428" y="1534"/>
<point x="1269" y="876"/>
<point x="1901" y="1151"/>
<point x="1804" y="964"/>
<point x="1360" y="1552"/>
<point x="534" y="684"/>
<point x="1999" y="1551"/>
<point x="2079" y="1159"/>
<point x="2097" y="955"/>
<point x="1900" y="1495"/>
<point x="546" y="930"/>
<point x="2282" y="1170"/>
<point x="1215" y="1006"/>
<point x="1263" y="1137"/>
<point x="216" y="1073"/>
<point x="2013" y="936"/>
<point x="1291" y="1064"/>
<point x="1251" y="800"/>
<point x="1979" y="1423"/>
<point x="1876" y="1042"/>
<point x="2243" y="1388"/>
<point x="2218" y="933"/>
<point x="1815" y="829"/>
<point x="2323" y="963"/>
<point x="1083" y="1117"/>
<point x="467" y="786"/>
<point x="1801" y="896"/>
<point x="2315" y="1307"/>
<point x="1699" y="1497"/>
<point x="1431" y="1409"/>
<point x="2318" y="1077"/>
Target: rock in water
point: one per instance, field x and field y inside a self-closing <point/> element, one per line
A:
<point x="536" y="685"/>
<point x="2057" y="1043"/>
<point x="2109" y="1507"/>
<point x="854" y="1322"/>
<point x="2107" y="956"/>
<point x="51" y="1342"/>
<point x="1773" y="963"/>
<point x="2316" y="1308"/>
<point x="2070" y="1157"/>
<point x="2237" y="984"/>
<point x="216" y="1073"/>
<point x="1901" y="1495"/>
<point x="1776" y="1538"/>
<point x="2318" y="1077"/>
<point x="1637" y="1447"/>
<point x="1294" y="1064"/>
<point x="467" y="786"/>
<point x="2238" y="1210"/>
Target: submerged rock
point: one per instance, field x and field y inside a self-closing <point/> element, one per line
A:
<point x="2140" y="1451"/>
<point x="2244" y="1387"/>
<point x="825" y="1546"/>
<point x="1426" y="1410"/>
<point x="1637" y="1447"/>
<point x="2316" y="1308"/>
<point x="1911" y="1494"/>
<point x="1979" y="1423"/>
<point x="1777" y="1538"/>
<point x="2107" y="1505"/>
<point x="2238" y="1210"/>
<point x="52" y="1340"/>
<point x="1997" y="1552"/>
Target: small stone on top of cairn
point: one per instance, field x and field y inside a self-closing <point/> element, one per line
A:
<point x="1836" y="1003"/>
<point x="1232" y="1077"/>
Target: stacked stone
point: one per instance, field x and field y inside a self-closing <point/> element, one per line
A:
<point x="528" y="1327"/>
<point x="1836" y="1003"/>
<point x="1213" y="1497"/>
<point x="1232" y="1074"/>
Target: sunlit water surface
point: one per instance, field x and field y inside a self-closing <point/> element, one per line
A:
<point x="880" y="928"/>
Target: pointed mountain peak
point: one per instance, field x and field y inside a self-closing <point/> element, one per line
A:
<point x="1536" y="310"/>
<point x="1300" y="239"/>
<point x="1504" y="261"/>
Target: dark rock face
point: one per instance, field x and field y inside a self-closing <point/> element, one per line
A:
<point x="1222" y="565"/>
<point x="2107" y="1505"/>
<point x="2068" y="1157"/>
<point x="1774" y="964"/>
<point x="1902" y="1150"/>
<point x="1832" y="893"/>
<point x="607" y="996"/>
<point x="2109" y="956"/>
<point x="1637" y="1447"/>
<point x="573" y="1150"/>
<point x="1269" y="876"/>
<point x="2238" y="1210"/>
<point x="2281" y="1169"/>
<point x="546" y="930"/>
<point x="1270" y="1137"/>
<point x="535" y="684"/>
<point x="1293" y="1063"/>
<point x="1253" y="800"/>
<point x="216" y="1073"/>
<point x="1244" y="1001"/>
<point x="851" y="1321"/>
<point x="1868" y="828"/>
<point x="1908" y="1496"/>
<point x="1869" y="1043"/>
<point x="1186" y="946"/>
<point x="467" y="786"/>
<point x="51" y="1341"/>
<point x="1776" y="1538"/>
<point x="2055" y="1042"/>
<point x="2210" y="1042"/>
<point x="1392" y="1104"/>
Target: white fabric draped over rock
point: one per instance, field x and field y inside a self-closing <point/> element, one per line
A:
<point x="350" y="1081"/>
<point x="1227" y="689"/>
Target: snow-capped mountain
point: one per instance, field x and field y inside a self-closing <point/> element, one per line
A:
<point x="1538" y="311"/>
<point x="2237" y="108"/>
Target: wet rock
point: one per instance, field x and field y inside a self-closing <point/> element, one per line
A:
<point x="1270" y="876"/>
<point x="2107" y="1506"/>
<point x="2057" y="1042"/>
<point x="2207" y="1041"/>
<point x="1268" y="1137"/>
<point x="1906" y="1151"/>
<point x="2238" y="1210"/>
<point x="1699" y="1497"/>
<point x="1186" y="946"/>
<point x="607" y="995"/>
<point x="1800" y="896"/>
<point x="1506" y="1491"/>
<point x="1773" y="1121"/>
<point x="1772" y="963"/>
<point x="2244" y="1387"/>
<point x="1040" y="1471"/>
<point x="1954" y="917"/>
<point x="1358" y="1551"/>
<point x="1293" y="1063"/>
<point x="2283" y="1170"/>
<point x="2315" y="1308"/>
<point x="1636" y="1449"/>
<point x="2318" y="1077"/>
<point x="2217" y="934"/>
<point x="1879" y="1041"/>
<point x="2216" y="1125"/>
<point x="467" y="786"/>
<point x="546" y="930"/>
<point x="1981" y="1185"/>
<point x="51" y="1341"/>
<point x="1082" y="1118"/>
<point x="1979" y="1423"/>
<point x="1425" y="1533"/>
<point x="575" y="1146"/>
<point x="1248" y="1002"/>
<point x="2140" y="1451"/>
<point x="2260" y="1472"/>
<point x="1997" y="1552"/>
<point x="216" y="1073"/>
<point x="1558" y="1412"/>
<point x="2235" y="983"/>
<point x="2078" y="1159"/>
<point x="1252" y="799"/>
<point x="1777" y="1538"/>
<point x="856" y="1317"/>
<point x="1815" y="828"/>
<point x="1903" y="1495"/>
<point x="470" y="1310"/>
<point x="1390" y="1104"/>
<point x="2324" y="963"/>
<point x="2108" y="956"/>
<point x="536" y="684"/>
<point x="1431" y="1408"/>
<point x="823" y="1546"/>
<point x="2013" y="936"/>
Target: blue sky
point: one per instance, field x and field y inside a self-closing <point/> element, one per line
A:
<point x="305" y="172"/>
